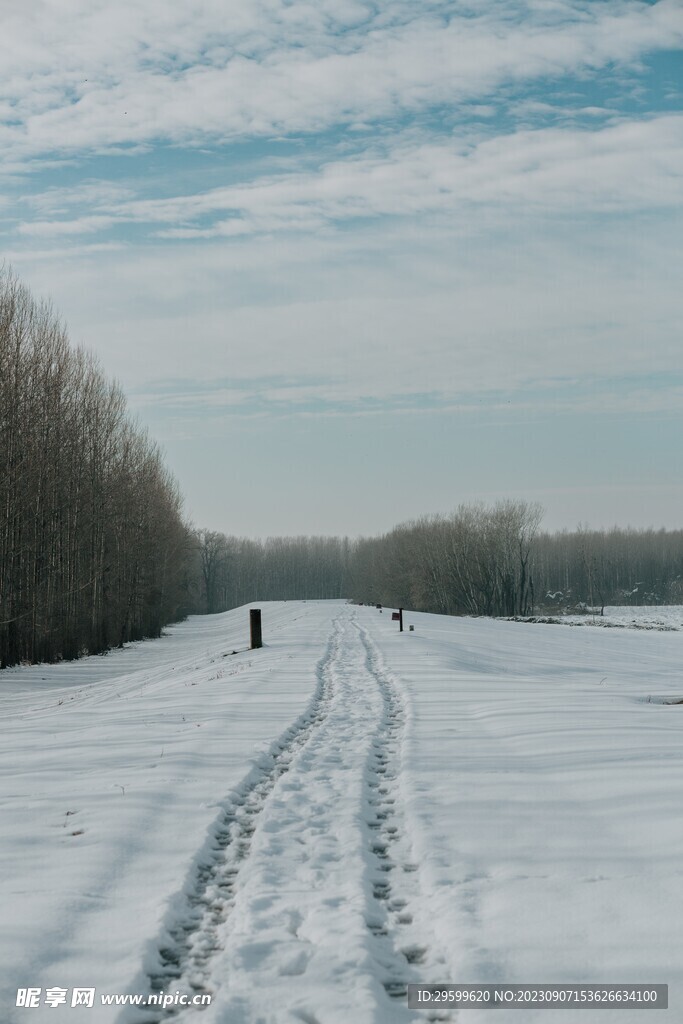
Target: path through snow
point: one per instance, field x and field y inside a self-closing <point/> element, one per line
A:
<point x="305" y="900"/>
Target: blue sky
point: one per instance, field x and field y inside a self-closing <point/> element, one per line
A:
<point x="356" y="261"/>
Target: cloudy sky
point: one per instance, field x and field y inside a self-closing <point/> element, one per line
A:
<point x="357" y="260"/>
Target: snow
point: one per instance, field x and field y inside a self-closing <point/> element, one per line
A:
<point x="302" y="830"/>
<point x="654" y="617"/>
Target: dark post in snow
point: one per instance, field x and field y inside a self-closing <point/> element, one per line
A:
<point x="255" y="628"/>
<point x="400" y="620"/>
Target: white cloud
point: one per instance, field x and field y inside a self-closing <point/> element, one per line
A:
<point x="626" y="166"/>
<point x="133" y="73"/>
<point x="41" y="258"/>
<point x="88" y="193"/>
<point x="80" y="226"/>
<point x="466" y="264"/>
<point x="386" y="315"/>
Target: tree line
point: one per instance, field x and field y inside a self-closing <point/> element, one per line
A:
<point x="493" y="560"/>
<point x="594" y="568"/>
<point x="478" y="560"/>
<point x="232" y="571"/>
<point x="94" y="550"/>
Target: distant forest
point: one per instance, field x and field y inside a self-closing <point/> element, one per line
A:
<point x="479" y="560"/>
<point x="95" y="550"/>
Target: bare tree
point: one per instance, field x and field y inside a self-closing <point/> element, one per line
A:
<point x="93" y="547"/>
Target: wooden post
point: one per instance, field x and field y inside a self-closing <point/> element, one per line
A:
<point x="255" y="628"/>
<point x="400" y="620"/>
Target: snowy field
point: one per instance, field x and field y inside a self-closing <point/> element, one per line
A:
<point x="653" y="617"/>
<point x="300" y="831"/>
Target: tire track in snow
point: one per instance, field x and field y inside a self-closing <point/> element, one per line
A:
<point x="190" y="940"/>
<point x="393" y="873"/>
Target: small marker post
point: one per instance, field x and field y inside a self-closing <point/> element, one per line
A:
<point x="255" y="628"/>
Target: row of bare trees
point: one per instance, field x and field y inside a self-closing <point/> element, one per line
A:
<point x="494" y="561"/>
<point x="234" y="570"/>
<point x="93" y="547"/>
<point x="618" y="567"/>
<point x="475" y="561"/>
<point x="478" y="560"/>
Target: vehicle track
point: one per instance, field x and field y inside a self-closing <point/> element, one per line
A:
<point x="191" y="940"/>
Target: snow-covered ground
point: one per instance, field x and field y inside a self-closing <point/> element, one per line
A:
<point x="302" y="830"/>
<point x="656" y="617"/>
